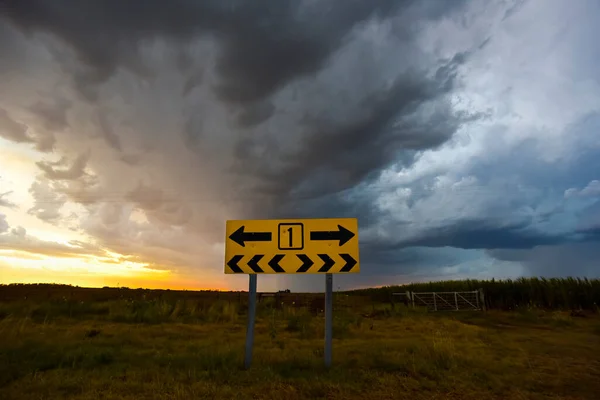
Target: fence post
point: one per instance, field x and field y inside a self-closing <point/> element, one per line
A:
<point x="434" y="303"/>
<point x="412" y="299"/>
<point x="456" y="301"/>
<point x="481" y="298"/>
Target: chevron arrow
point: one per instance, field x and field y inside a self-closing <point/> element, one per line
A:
<point x="350" y="262"/>
<point x="306" y="262"/>
<point x="233" y="264"/>
<point x="327" y="263"/>
<point x="253" y="263"/>
<point x="342" y="235"/>
<point x="241" y="237"/>
<point x="274" y="263"/>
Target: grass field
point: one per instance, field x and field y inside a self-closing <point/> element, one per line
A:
<point x="121" y="349"/>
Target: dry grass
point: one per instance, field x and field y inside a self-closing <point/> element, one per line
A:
<point x="106" y="351"/>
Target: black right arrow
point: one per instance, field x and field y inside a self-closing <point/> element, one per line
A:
<point x="233" y="264"/>
<point x="342" y="234"/>
<point x="306" y="262"/>
<point x="327" y="263"/>
<point x="240" y="237"/>
<point x="274" y="263"/>
<point x="350" y="262"/>
<point x="253" y="263"/>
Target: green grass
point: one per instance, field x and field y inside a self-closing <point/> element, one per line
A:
<point x="184" y="350"/>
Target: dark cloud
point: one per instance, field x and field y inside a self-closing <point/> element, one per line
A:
<point x="589" y="217"/>
<point x="577" y="169"/>
<point x="159" y="207"/>
<point x="265" y="44"/>
<point x="297" y="109"/>
<point x="130" y="159"/>
<point x="46" y="143"/>
<point x="13" y="130"/>
<point x="486" y="234"/>
<point x="255" y="114"/>
<point x="20" y="133"/>
<point x="337" y="155"/>
<point x="108" y="133"/>
<point x="53" y="116"/>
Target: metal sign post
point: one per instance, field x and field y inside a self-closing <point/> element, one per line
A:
<point x="251" y="319"/>
<point x="328" y="318"/>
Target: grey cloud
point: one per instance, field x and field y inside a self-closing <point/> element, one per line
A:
<point x="111" y="224"/>
<point x="13" y="130"/>
<point x="3" y="224"/>
<point x="571" y="259"/>
<point x="589" y="222"/>
<point x="47" y="202"/>
<point x="306" y="105"/>
<point x="486" y="234"/>
<point x="264" y="44"/>
<point x="20" y="133"/>
<point x="111" y="214"/>
<point x="255" y="114"/>
<point x="193" y="81"/>
<point x="46" y="143"/>
<point x="411" y="115"/>
<point x="159" y="207"/>
<point x="591" y="190"/>
<point x="108" y="132"/>
<point x="131" y="159"/>
<point x="18" y="239"/>
<point x="254" y="61"/>
<point x="514" y="9"/>
<point x="53" y="116"/>
<point x="19" y="231"/>
<point x="323" y="107"/>
<point x="4" y="202"/>
<point x="73" y="172"/>
<point x="147" y="198"/>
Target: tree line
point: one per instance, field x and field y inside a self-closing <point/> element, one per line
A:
<point x="509" y="294"/>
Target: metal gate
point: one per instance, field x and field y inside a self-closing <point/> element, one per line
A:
<point x="443" y="301"/>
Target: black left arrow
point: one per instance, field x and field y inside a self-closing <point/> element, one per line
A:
<point x="274" y="263"/>
<point x="253" y="263"/>
<point x="241" y="237"/>
<point x="233" y="264"/>
<point x="342" y="234"/>
<point x="327" y="263"/>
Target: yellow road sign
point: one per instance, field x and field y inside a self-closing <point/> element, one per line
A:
<point x="292" y="246"/>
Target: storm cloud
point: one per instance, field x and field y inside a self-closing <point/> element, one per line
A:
<point x="157" y="123"/>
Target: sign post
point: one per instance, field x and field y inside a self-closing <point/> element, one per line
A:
<point x="328" y="318"/>
<point x="251" y="318"/>
<point x="292" y="246"/>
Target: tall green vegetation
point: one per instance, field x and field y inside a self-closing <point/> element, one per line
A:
<point x="551" y="293"/>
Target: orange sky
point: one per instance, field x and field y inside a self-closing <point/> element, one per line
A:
<point x="39" y="256"/>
